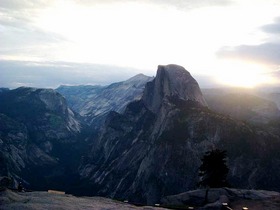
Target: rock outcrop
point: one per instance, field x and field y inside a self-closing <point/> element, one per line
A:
<point x="45" y="200"/>
<point x="171" y="81"/>
<point x="217" y="197"/>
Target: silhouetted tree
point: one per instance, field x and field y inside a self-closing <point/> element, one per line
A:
<point x="213" y="170"/>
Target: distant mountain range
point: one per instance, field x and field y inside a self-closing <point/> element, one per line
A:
<point x="92" y="102"/>
<point x="141" y="139"/>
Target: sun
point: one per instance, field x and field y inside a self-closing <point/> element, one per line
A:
<point x="242" y="74"/>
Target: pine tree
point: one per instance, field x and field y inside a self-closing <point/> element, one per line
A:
<point x="213" y="171"/>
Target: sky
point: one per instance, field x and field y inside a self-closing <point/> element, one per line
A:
<point x="47" y="43"/>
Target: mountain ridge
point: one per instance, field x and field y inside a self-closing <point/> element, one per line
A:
<point x="142" y="146"/>
<point x="99" y="100"/>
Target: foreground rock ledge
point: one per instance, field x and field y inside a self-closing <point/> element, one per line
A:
<point x="45" y="200"/>
<point x="236" y="199"/>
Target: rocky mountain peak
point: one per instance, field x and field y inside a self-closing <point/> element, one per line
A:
<point x="171" y="81"/>
<point x="137" y="81"/>
<point x="138" y="77"/>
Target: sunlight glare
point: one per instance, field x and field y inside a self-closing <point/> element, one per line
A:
<point x="242" y="74"/>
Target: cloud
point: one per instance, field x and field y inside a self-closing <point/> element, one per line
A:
<point x="15" y="15"/>
<point x="29" y="42"/>
<point x="266" y="53"/>
<point x="21" y="36"/>
<point x="23" y="4"/>
<point x="52" y="74"/>
<point x="179" y="4"/>
<point x="25" y="37"/>
<point x="273" y="28"/>
<point x="276" y="74"/>
<point x="191" y="4"/>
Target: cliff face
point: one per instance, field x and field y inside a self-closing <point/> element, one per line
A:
<point x="154" y="148"/>
<point x="172" y="84"/>
<point x="171" y="81"/>
<point x="37" y="130"/>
